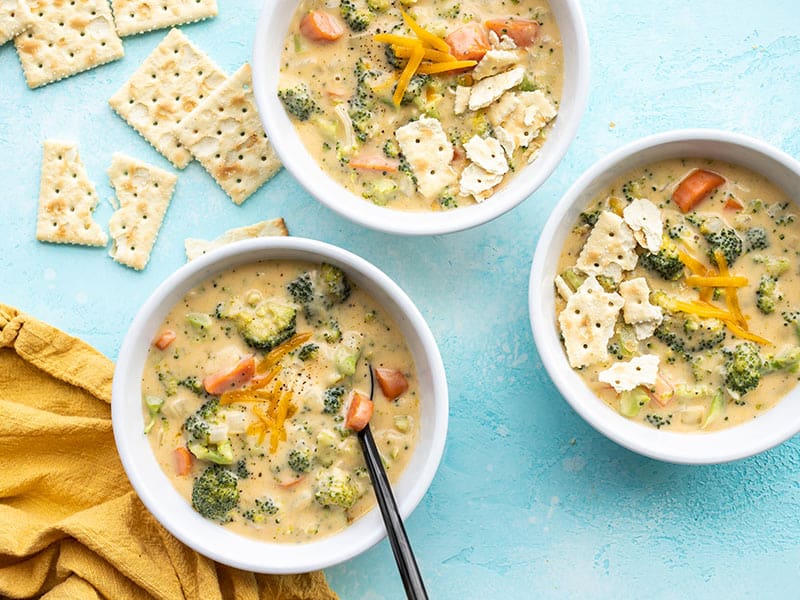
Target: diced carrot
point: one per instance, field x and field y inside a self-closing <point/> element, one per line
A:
<point x="694" y="187"/>
<point x="229" y="379"/>
<point x="733" y="204"/>
<point x="469" y="42"/>
<point x="321" y="26"/>
<point x="522" y="31"/>
<point x="163" y="341"/>
<point x="392" y="382"/>
<point x="359" y="413"/>
<point x="183" y="461"/>
<point x="367" y="161"/>
<point x="287" y="485"/>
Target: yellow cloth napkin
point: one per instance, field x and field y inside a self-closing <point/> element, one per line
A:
<point x="71" y="526"/>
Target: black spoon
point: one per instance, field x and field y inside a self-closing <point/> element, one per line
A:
<point x="401" y="547"/>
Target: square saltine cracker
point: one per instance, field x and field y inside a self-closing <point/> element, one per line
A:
<point x="66" y="37"/>
<point x="144" y="193"/>
<point x="168" y="85"/>
<point x="15" y="17"/>
<point x="225" y="135"/>
<point x="138" y="16"/>
<point x="67" y="198"/>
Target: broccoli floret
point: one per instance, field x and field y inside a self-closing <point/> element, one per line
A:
<point x="298" y="101"/>
<point x="333" y="399"/>
<point x="362" y="122"/>
<point x="448" y="200"/>
<point x="335" y="285"/>
<point x="308" y="352"/>
<point x="167" y="380"/>
<point x="658" y="421"/>
<point x="330" y="331"/>
<point x="391" y="149"/>
<point x="590" y="218"/>
<point x="302" y="289"/>
<point x="719" y="237"/>
<point x="666" y="262"/>
<point x="215" y="493"/>
<point x="378" y="5"/>
<point x="774" y="266"/>
<point x="336" y="488"/>
<point x="743" y="369"/>
<point x="194" y="384"/>
<point x="241" y="469"/>
<point x="792" y="318"/>
<point x="357" y="18"/>
<point x="380" y="191"/>
<point x="690" y="335"/>
<point x="198" y="423"/>
<point x="674" y="232"/>
<point x="263" y="325"/>
<point x="391" y="57"/>
<point x="755" y="238"/>
<point x="767" y="294"/>
<point x="221" y="453"/>
<point x="262" y="508"/>
<point x="300" y="459"/>
<point x="415" y="88"/>
<point x="451" y="13"/>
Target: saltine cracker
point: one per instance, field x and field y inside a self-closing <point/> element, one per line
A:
<point x="144" y="193"/>
<point x="66" y="199"/>
<point x="225" y="135"/>
<point x="274" y="227"/>
<point x="138" y="16"/>
<point x="66" y="37"/>
<point x="164" y="89"/>
<point x="15" y="17"/>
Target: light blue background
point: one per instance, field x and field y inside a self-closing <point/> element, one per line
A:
<point x="529" y="500"/>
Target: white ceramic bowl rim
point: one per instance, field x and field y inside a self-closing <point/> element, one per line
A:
<point x="175" y="513"/>
<point x="770" y="428"/>
<point x="267" y="47"/>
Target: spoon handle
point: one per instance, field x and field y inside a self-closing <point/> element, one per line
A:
<point x="401" y="547"/>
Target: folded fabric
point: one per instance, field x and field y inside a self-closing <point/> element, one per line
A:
<point x="70" y="524"/>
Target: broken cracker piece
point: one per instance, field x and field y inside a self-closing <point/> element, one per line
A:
<point x="15" y="17"/>
<point x="143" y="192"/>
<point x="67" y="38"/>
<point x="138" y="16"/>
<point x="66" y="199"/>
<point x="225" y="135"/>
<point x="168" y="85"/>
<point x="274" y="227"/>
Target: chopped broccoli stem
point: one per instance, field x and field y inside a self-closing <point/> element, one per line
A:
<point x="215" y="493"/>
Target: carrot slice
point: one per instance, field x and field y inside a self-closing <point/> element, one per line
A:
<point x="469" y="42"/>
<point x="694" y="187"/>
<point x="374" y="162"/>
<point x="392" y="382"/>
<point x="183" y="461"/>
<point x="163" y="341"/>
<point x="321" y="26"/>
<point x="290" y="484"/>
<point x="228" y="379"/>
<point x="733" y="204"/>
<point x="359" y="413"/>
<point x="523" y="31"/>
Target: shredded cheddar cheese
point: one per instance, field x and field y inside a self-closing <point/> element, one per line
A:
<point x="426" y="46"/>
<point x="282" y="350"/>
<point x="730" y="281"/>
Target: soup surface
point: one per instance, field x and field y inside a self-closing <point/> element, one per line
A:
<point x="428" y="109"/>
<point x="678" y="297"/>
<point x="248" y="391"/>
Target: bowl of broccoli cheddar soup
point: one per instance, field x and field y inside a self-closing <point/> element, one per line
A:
<point x="421" y="117"/>
<point x="665" y="299"/>
<point x="239" y="389"/>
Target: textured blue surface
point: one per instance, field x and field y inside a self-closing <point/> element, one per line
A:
<point x="529" y="500"/>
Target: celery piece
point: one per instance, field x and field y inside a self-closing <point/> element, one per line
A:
<point x="630" y="402"/>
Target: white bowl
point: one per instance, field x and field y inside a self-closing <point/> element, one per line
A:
<point x="270" y="33"/>
<point x="769" y="429"/>
<point x="174" y="512"/>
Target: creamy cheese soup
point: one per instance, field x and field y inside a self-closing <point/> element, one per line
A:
<point x="252" y="391"/>
<point x="422" y="105"/>
<point x="678" y="297"/>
